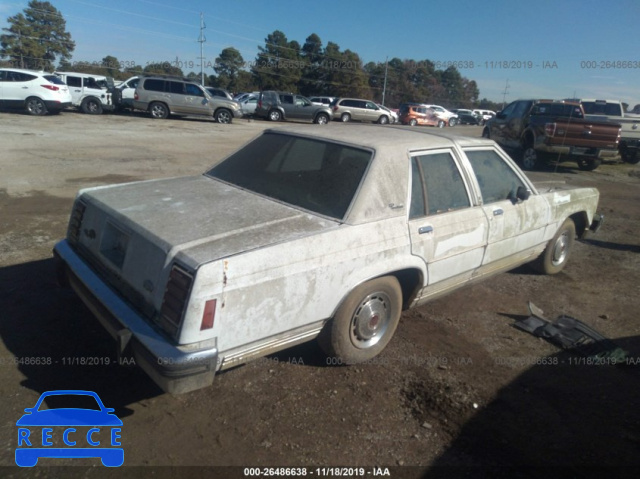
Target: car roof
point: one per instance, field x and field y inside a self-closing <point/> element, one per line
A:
<point x="24" y="70"/>
<point x="386" y="137"/>
<point x="83" y="75"/>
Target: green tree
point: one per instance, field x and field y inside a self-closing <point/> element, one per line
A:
<point x="278" y="65"/>
<point x="36" y="37"/>
<point x="228" y="66"/>
<point x="164" y="68"/>
<point x="112" y="66"/>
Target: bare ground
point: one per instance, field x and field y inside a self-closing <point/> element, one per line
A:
<point x="459" y="392"/>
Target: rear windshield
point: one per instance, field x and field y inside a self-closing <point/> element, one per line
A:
<point x="557" y="109"/>
<point x="316" y="175"/>
<point x="602" y="108"/>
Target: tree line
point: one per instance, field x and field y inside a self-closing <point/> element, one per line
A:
<point x="37" y="37"/>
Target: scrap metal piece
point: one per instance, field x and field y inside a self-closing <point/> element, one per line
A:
<point x="570" y="333"/>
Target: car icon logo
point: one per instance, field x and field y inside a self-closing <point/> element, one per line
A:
<point x="69" y="432"/>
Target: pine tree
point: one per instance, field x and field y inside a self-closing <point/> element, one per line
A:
<point x="36" y="37"/>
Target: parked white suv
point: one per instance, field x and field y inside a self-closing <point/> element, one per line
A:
<point x="444" y="114"/>
<point x="91" y="93"/>
<point x="36" y="91"/>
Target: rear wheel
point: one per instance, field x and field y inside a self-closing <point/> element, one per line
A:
<point x="275" y="115"/>
<point x="35" y="106"/>
<point x="441" y="124"/>
<point x="158" y="110"/>
<point x="588" y="164"/>
<point x="413" y="122"/>
<point x="529" y="158"/>
<point x="364" y="323"/>
<point x="345" y="118"/>
<point x="556" y="254"/>
<point x="627" y="156"/>
<point x="91" y="106"/>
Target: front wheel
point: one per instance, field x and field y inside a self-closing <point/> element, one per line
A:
<point x="223" y="116"/>
<point x="588" y="164"/>
<point x="35" y="106"/>
<point x="556" y="254"/>
<point x="275" y="115"/>
<point x="383" y="120"/>
<point x="322" y="119"/>
<point x="453" y="122"/>
<point x="413" y="122"/>
<point x="364" y="323"/>
<point x="441" y="124"/>
<point x="627" y="156"/>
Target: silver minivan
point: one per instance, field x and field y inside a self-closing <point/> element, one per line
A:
<point x="347" y="109"/>
<point x="164" y="95"/>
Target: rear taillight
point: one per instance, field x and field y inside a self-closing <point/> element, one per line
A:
<point x="135" y="96"/>
<point x="550" y="129"/>
<point x="260" y="104"/>
<point x="335" y="107"/>
<point x="50" y="87"/>
<point x="75" y="222"/>
<point x="176" y="295"/>
<point x="209" y="315"/>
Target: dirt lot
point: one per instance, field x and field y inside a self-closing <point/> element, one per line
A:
<point x="458" y="392"/>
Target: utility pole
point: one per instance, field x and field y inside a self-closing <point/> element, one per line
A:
<point x="384" y="88"/>
<point x="504" y="93"/>
<point x="201" y="40"/>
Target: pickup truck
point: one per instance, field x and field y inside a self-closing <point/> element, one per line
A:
<point x="541" y="129"/>
<point x="303" y="234"/>
<point x="612" y="110"/>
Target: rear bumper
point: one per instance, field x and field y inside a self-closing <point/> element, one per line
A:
<point x="578" y="151"/>
<point x="176" y="369"/>
<point x="57" y="105"/>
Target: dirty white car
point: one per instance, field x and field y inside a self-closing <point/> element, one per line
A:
<point x="306" y="233"/>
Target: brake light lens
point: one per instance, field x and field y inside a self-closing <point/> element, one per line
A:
<point x="50" y="87"/>
<point x="550" y="129"/>
<point x="135" y="96"/>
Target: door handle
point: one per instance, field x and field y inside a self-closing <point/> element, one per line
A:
<point x="425" y="229"/>
<point x="498" y="212"/>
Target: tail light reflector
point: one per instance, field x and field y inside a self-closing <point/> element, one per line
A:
<point x="135" y="96"/>
<point x="209" y="315"/>
<point x="176" y="295"/>
<point x="550" y="129"/>
<point x="50" y="87"/>
<point x="75" y="222"/>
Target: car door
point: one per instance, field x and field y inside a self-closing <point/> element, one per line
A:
<point x="288" y="105"/>
<point x="75" y="88"/>
<point x="448" y="231"/>
<point x="17" y="88"/>
<point x="128" y="90"/>
<point x="372" y="111"/>
<point x="515" y="226"/>
<point x="195" y="100"/>
<point x="303" y="108"/>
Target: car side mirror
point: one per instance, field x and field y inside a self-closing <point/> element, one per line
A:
<point x="523" y="193"/>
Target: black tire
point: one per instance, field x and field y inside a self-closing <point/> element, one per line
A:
<point x="555" y="256"/>
<point x="222" y="115"/>
<point x="383" y="120"/>
<point x="158" y="110"/>
<point x="275" y="115"/>
<point x="627" y="156"/>
<point x="441" y="123"/>
<point x="413" y="122"/>
<point x="453" y="122"/>
<point x="486" y="133"/>
<point x="35" y="106"/>
<point x="91" y="106"/>
<point x="321" y="119"/>
<point x="345" y="118"/>
<point x="364" y="323"/>
<point x="530" y="158"/>
<point x="588" y="164"/>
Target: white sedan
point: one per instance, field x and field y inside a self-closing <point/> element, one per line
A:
<point x="306" y="233"/>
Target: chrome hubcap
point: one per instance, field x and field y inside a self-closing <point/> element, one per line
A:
<point x="560" y="250"/>
<point x="371" y="320"/>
